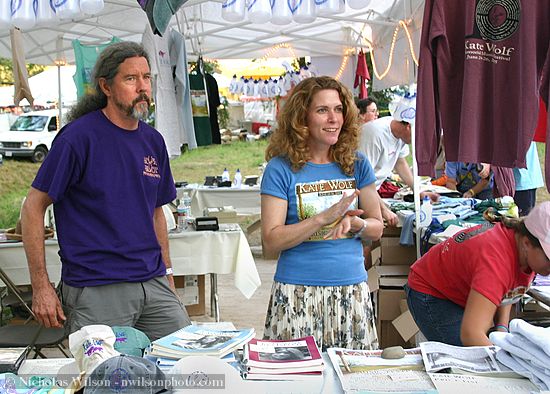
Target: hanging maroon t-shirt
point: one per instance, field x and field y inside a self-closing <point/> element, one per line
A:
<point x="480" y="72"/>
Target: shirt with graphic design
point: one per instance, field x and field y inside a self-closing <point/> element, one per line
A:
<point x="106" y="183"/>
<point x="467" y="176"/>
<point x="482" y="66"/>
<point x="309" y="191"/>
<point x="481" y="258"/>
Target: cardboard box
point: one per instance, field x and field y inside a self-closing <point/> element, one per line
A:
<point x="393" y="321"/>
<point x="392" y="253"/>
<point x="392" y="276"/>
<point x="389" y="336"/>
<point x="192" y="293"/>
<point x="405" y="326"/>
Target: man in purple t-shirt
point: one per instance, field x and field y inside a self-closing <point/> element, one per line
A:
<point x="108" y="175"/>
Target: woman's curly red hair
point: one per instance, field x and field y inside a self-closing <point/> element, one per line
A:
<point x="291" y="136"/>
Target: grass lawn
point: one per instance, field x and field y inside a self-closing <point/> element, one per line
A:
<point x="16" y="174"/>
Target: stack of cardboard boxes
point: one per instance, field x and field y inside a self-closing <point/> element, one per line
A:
<point x="391" y="264"/>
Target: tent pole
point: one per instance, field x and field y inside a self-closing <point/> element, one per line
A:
<point x="59" y="98"/>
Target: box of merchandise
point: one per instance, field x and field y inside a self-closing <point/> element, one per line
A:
<point x="191" y="292"/>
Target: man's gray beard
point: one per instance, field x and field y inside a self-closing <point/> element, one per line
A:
<point x="138" y="111"/>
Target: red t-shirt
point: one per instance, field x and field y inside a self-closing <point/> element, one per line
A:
<point x="479" y="258"/>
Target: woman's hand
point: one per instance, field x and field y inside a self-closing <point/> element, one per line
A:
<point x="338" y="211"/>
<point x="350" y="222"/>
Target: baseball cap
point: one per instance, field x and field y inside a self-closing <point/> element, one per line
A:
<point x="538" y="224"/>
<point x="126" y="374"/>
<point x="404" y="109"/>
<point x="130" y="340"/>
<point x="90" y="346"/>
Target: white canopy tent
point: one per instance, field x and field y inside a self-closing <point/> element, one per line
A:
<point x="209" y="35"/>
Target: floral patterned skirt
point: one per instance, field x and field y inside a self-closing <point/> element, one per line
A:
<point x="336" y="316"/>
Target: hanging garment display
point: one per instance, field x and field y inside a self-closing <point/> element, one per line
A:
<point x="233" y="10"/>
<point x="167" y="121"/>
<point x="178" y="58"/>
<point x="159" y="13"/>
<point x="67" y="9"/>
<point x="303" y="11"/>
<point x="20" y="77"/>
<point x="22" y="14"/>
<point x="479" y="79"/>
<point x="542" y="123"/>
<point x="329" y="7"/>
<point x="213" y="104"/>
<point x="199" y="104"/>
<point x="45" y="12"/>
<point x="280" y="12"/>
<point x="362" y="75"/>
<point x="85" y="57"/>
<point x="259" y="11"/>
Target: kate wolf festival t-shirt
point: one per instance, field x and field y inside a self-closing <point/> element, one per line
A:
<point x="309" y="191"/>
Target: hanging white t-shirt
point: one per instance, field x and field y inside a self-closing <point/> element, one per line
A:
<point x="167" y="121"/>
<point x="382" y="148"/>
<point x="178" y="58"/>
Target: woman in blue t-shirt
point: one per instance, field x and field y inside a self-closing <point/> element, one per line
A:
<point x="318" y="201"/>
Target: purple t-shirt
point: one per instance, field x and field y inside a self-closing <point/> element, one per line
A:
<point x="106" y="183"/>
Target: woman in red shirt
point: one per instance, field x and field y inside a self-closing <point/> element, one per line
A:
<point x="466" y="285"/>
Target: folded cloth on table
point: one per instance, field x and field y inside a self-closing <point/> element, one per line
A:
<point x="518" y="346"/>
<point x="511" y="362"/>
<point x="539" y="336"/>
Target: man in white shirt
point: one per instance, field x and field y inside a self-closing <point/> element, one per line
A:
<point x="386" y="141"/>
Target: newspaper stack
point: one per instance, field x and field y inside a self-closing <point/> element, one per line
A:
<point x="199" y="341"/>
<point x="297" y="359"/>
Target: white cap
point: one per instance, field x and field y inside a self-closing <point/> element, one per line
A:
<point x="404" y="109"/>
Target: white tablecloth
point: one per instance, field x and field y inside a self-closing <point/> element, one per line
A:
<point x="192" y="253"/>
<point x="218" y="252"/>
<point x="245" y="200"/>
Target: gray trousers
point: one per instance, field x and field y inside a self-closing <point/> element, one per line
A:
<point x="151" y="307"/>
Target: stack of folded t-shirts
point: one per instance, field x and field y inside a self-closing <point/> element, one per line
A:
<point x="526" y="350"/>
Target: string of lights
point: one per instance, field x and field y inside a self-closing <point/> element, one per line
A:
<point x="402" y="25"/>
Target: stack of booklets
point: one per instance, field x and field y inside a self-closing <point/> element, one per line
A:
<point x="297" y="359"/>
<point x="199" y="341"/>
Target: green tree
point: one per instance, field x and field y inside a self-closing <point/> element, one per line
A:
<point x="6" y="71"/>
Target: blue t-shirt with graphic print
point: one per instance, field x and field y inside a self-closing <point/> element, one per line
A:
<point x="309" y="191"/>
<point x="106" y="183"/>
<point x="467" y="176"/>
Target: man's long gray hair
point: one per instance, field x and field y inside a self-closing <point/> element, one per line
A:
<point x="106" y="67"/>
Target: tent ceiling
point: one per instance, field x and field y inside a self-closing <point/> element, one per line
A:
<point x="208" y="34"/>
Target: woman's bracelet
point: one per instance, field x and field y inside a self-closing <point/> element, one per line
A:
<point x="471" y="191"/>
<point x="360" y="232"/>
<point x="502" y="326"/>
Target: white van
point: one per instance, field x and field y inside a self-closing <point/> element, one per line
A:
<point x="31" y="135"/>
